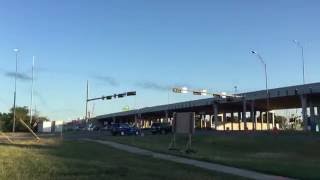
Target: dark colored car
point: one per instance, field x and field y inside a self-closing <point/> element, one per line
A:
<point x="92" y="127"/>
<point x="161" y="128"/>
<point x="123" y="129"/>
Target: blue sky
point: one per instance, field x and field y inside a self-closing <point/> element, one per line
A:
<point x="149" y="46"/>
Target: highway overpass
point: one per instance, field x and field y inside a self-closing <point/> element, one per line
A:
<point x="244" y="109"/>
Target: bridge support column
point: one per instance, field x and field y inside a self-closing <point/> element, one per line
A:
<point x="203" y="121"/>
<point x="167" y="116"/>
<point x="239" y="121"/>
<point x="273" y="119"/>
<point x="253" y="116"/>
<point x="136" y="120"/>
<point x="203" y="117"/>
<point x="210" y="119"/>
<point x="255" y="120"/>
<point x="318" y="118"/>
<point x="303" y="99"/>
<point x="232" y="119"/>
<point x="262" y="119"/>
<point x="312" y="114"/>
<point x="244" y="114"/>
<point x="224" y="121"/>
<point x="215" y="112"/>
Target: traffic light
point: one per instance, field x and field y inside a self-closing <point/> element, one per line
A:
<point x="176" y="90"/>
<point x="197" y="93"/>
<point x="131" y="93"/>
<point x="202" y="92"/>
<point x="108" y="97"/>
<point x="121" y="95"/>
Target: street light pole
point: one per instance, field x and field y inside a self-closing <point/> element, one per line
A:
<point x="87" y="100"/>
<point x="266" y="81"/>
<point x="302" y="58"/>
<point x="15" y="92"/>
<point x="31" y="103"/>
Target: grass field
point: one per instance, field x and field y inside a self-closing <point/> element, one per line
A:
<point x="286" y="155"/>
<point x="53" y="159"/>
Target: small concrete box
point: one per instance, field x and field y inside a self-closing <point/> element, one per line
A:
<point x="45" y="127"/>
<point x="58" y="126"/>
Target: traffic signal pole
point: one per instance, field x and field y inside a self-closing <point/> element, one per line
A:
<point x="121" y="95"/>
<point x="87" y="98"/>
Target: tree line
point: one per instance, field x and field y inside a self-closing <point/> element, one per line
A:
<point x="23" y="113"/>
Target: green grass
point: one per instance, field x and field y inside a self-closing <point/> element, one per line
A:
<point x="52" y="159"/>
<point x="285" y="154"/>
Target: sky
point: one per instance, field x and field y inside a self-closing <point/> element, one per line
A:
<point x="150" y="46"/>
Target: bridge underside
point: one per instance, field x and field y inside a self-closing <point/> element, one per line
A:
<point x="250" y="108"/>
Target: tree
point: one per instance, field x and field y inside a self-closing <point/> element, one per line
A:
<point x="6" y="120"/>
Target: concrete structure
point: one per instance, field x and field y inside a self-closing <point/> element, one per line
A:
<point x="57" y="126"/>
<point x="242" y="112"/>
<point x="45" y="127"/>
<point x="50" y="127"/>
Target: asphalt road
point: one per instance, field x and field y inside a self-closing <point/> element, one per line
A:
<point x="76" y="135"/>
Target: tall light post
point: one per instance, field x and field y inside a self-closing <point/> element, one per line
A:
<point x="15" y="92"/>
<point x="302" y="58"/>
<point x="32" y="81"/>
<point x="87" y="97"/>
<point x="266" y="79"/>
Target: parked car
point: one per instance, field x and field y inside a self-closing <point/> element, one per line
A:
<point x="123" y="129"/>
<point x="161" y="128"/>
<point x="92" y="127"/>
<point x="78" y="128"/>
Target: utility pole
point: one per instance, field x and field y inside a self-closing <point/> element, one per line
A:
<point x="15" y="92"/>
<point x="87" y="100"/>
<point x="31" y="104"/>
<point x="302" y="59"/>
<point x="266" y="81"/>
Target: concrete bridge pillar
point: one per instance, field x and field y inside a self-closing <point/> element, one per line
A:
<point x="224" y="120"/>
<point x="255" y="120"/>
<point x="318" y="117"/>
<point x="244" y="114"/>
<point x="232" y="119"/>
<point x="203" y="121"/>
<point x="210" y="119"/>
<point x="215" y="112"/>
<point x="303" y="100"/>
<point x="239" y="121"/>
<point x="273" y="120"/>
<point x="312" y="113"/>
<point x="166" y="116"/>
<point x="136" y="119"/>
<point x="253" y="116"/>
<point x="262" y="119"/>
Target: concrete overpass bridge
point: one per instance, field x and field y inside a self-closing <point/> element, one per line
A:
<point x="248" y="110"/>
